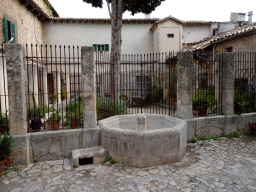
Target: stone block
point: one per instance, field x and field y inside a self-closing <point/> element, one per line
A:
<point x="190" y="129"/>
<point x="231" y="124"/>
<point x="98" y="152"/>
<point x="90" y="137"/>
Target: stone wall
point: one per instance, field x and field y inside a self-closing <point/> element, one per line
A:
<point x="245" y="44"/>
<point x="53" y="145"/>
<point x="215" y="125"/>
<point x="28" y="27"/>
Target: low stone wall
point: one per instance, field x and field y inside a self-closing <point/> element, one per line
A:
<point x="53" y="145"/>
<point x="215" y="125"/>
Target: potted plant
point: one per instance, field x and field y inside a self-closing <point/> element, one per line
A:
<point x="74" y="113"/>
<point x="203" y="100"/>
<point x="53" y="97"/>
<point x="253" y="128"/>
<point x="4" y="123"/>
<point x="35" y="115"/>
<point x="63" y="94"/>
<point x="55" y="120"/>
<point x="7" y="149"/>
<point x="157" y="94"/>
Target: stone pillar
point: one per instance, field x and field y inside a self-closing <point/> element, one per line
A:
<point x="45" y="86"/>
<point x="3" y="86"/>
<point x="57" y="84"/>
<point x="88" y="87"/>
<point x="228" y="83"/>
<point x="185" y="74"/>
<point x="67" y="85"/>
<point x="17" y="77"/>
<point x="32" y="84"/>
<point x="254" y="78"/>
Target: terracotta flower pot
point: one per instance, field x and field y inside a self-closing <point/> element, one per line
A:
<point x="54" y="125"/>
<point x="202" y="111"/>
<point x="2" y="164"/>
<point x="253" y="128"/>
<point x="73" y="123"/>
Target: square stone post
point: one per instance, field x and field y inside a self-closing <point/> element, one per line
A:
<point x="17" y="80"/>
<point x="228" y="83"/>
<point x="88" y="87"/>
<point x="90" y="131"/>
<point x="185" y="74"/>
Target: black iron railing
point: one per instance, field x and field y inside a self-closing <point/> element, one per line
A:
<point x="54" y="87"/>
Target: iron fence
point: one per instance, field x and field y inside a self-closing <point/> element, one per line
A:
<point x="207" y="98"/>
<point x="53" y="87"/>
<point x="244" y="96"/>
<point x="4" y="103"/>
<point x="139" y="84"/>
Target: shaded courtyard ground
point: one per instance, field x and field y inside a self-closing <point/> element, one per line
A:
<point x="215" y="165"/>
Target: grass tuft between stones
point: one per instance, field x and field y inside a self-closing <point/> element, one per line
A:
<point x="203" y="138"/>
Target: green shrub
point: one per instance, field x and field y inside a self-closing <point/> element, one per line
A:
<point x="244" y="103"/>
<point x="107" y="107"/>
<point x="53" y="97"/>
<point x="4" y="122"/>
<point x="204" y="99"/>
<point x="55" y="117"/>
<point x="157" y="95"/>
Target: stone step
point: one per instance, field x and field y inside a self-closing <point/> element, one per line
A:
<point x="89" y="155"/>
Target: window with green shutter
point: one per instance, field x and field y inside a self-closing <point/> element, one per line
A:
<point x="6" y="34"/>
<point x="95" y="46"/>
<point x="106" y="47"/>
<point x="9" y="31"/>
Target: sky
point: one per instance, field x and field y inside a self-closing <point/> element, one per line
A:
<point x="217" y="10"/>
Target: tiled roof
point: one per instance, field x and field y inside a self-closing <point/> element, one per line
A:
<point x="104" y="20"/>
<point x="229" y="35"/>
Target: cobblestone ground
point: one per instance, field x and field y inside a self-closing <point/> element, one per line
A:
<point x="221" y="165"/>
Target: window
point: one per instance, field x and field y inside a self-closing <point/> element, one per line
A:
<point x="214" y="32"/>
<point x="170" y="35"/>
<point x="101" y="47"/>
<point x="229" y="49"/>
<point x="9" y="31"/>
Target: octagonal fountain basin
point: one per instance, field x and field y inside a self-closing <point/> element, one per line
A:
<point x="143" y="140"/>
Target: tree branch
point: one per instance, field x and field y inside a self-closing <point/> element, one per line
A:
<point x="109" y="11"/>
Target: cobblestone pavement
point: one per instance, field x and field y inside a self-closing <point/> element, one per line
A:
<point x="221" y="165"/>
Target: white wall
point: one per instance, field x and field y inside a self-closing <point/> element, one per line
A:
<point x="196" y="33"/>
<point x="136" y="38"/>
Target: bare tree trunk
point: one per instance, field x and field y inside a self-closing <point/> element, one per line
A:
<point x="116" y="41"/>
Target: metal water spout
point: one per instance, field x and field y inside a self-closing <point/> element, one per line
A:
<point x="141" y="122"/>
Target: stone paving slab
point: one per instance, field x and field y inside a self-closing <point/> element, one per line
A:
<point x="224" y="165"/>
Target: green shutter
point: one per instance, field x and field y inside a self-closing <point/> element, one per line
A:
<point x="95" y="46"/>
<point x="6" y="38"/>
<point x="106" y="47"/>
<point x="13" y="34"/>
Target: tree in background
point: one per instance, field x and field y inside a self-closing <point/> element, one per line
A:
<point x="116" y="8"/>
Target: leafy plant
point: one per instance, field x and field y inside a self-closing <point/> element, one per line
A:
<point x="55" y="117"/>
<point x="74" y="166"/>
<point x="244" y="103"/>
<point x="74" y="111"/>
<point x="107" y="107"/>
<point x="7" y="147"/>
<point x="63" y="94"/>
<point x="110" y="159"/>
<point x="4" y="122"/>
<point x="157" y="94"/>
<point x="204" y="99"/>
<point x="37" y="112"/>
<point x="53" y="97"/>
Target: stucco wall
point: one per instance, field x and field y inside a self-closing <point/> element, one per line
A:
<point x="28" y="27"/>
<point x="223" y="27"/>
<point x="196" y="33"/>
<point x="136" y="38"/>
<point x="166" y="44"/>
<point x="244" y="44"/>
<point x="155" y="40"/>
